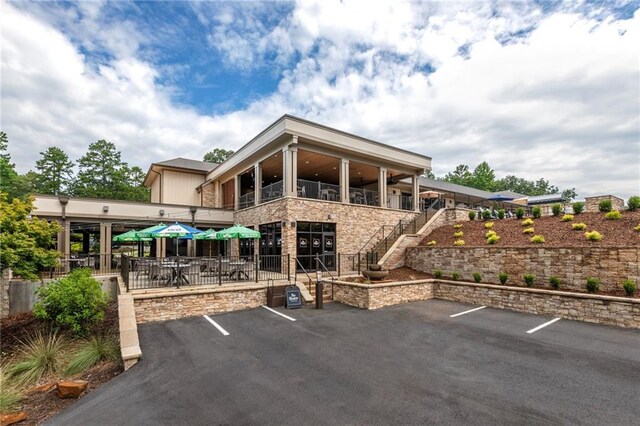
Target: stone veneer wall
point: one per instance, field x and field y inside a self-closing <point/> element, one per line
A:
<point x="174" y="304"/>
<point x="355" y="223"/>
<point x="210" y="194"/>
<point x="591" y="203"/>
<point x="380" y="295"/>
<point x="617" y="311"/>
<point x="4" y="297"/>
<point x="572" y="264"/>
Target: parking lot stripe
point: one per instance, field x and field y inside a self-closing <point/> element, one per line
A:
<point x="466" y="312"/>
<point x="278" y="313"/>
<point x="533" y="330"/>
<point x="216" y="325"/>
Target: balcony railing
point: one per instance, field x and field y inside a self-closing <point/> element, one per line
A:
<point x="318" y="190"/>
<point x="402" y="202"/>
<point x="247" y="200"/>
<point x="272" y="192"/>
<point x="363" y="196"/>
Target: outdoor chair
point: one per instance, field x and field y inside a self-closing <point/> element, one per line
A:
<point x="160" y="274"/>
<point x="191" y="273"/>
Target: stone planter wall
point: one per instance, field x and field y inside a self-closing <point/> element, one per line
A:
<point x="376" y="296"/>
<point x="572" y="264"/>
<point x="168" y="305"/>
<point x="591" y="203"/>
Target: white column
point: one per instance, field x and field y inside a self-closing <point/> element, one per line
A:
<point x="382" y="186"/>
<point x="286" y="171"/>
<point x="415" y="180"/>
<point x="294" y="167"/>
<point x="344" y="180"/>
<point x="257" y="182"/>
<point x="236" y="192"/>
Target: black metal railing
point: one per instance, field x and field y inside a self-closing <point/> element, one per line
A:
<point x="247" y="200"/>
<point x="364" y="196"/>
<point x="318" y="190"/>
<point x="272" y="191"/>
<point x="147" y="272"/>
<point x="308" y="261"/>
<point x="98" y="264"/>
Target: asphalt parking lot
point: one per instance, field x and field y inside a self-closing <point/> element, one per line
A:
<point x="415" y="363"/>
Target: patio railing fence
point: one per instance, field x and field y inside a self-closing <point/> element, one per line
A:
<point x="98" y="264"/>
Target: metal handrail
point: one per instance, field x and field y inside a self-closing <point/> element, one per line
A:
<point x="325" y="268"/>
<point x="303" y="270"/>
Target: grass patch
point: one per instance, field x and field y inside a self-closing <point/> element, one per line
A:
<point x="39" y="355"/>
<point x="91" y="351"/>
<point x="10" y="395"/>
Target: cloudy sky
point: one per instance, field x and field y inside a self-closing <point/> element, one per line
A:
<point x="537" y="89"/>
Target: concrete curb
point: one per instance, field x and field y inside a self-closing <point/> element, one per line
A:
<point x="129" y="342"/>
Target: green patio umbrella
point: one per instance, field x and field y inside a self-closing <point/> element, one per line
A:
<point x="130" y="236"/>
<point x="237" y="231"/>
<point x="209" y="234"/>
<point x="147" y="232"/>
<point x="177" y="230"/>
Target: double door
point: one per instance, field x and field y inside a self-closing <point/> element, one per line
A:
<point x="316" y="240"/>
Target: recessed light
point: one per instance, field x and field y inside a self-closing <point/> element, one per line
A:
<point x="306" y="162"/>
<point x="334" y="168"/>
<point x="359" y="173"/>
<point x="275" y="175"/>
<point x="316" y="174"/>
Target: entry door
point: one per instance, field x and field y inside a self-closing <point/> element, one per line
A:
<point x="329" y="250"/>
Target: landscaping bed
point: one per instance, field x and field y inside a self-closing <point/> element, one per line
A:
<point x="556" y="233"/>
<point x="395" y="275"/>
<point x="41" y="405"/>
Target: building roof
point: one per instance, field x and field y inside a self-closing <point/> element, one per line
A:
<point x="186" y="163"/>
<point x="453" y="187"/>
<point x="544" y="199"/>
<point x="509" y="194"/>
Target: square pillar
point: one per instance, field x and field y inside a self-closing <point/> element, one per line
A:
<point x="286" y="171"/>
<point x="257" y="183"/>
<point x="294" y="167"/>
<point x="344" y="180"/>
<point x="236" y="192"/>
<point x="415" y="194"/>
<point x="105" y="239"/>
<point x="382" y="186"/>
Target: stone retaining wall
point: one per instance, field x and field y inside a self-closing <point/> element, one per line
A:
<point x="591" y="203"/>
<point x="572" y="265"/>
<point x="173" y="304"/>
<point x="617" y="311"/>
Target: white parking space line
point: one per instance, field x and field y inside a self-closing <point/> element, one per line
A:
<point x="533" y="330"/>
<point x="466" y="312"/>
<point x="216" y="325"/>
<point x="278" y="313"/>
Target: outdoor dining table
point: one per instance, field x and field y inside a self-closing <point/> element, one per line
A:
<point x="328" y="194"/>
<point x="177" y="276"/>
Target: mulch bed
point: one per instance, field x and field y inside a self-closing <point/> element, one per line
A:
<point x="395" y="275"/>
<point x="618" y="233"/>
<point x="41" y="406"/>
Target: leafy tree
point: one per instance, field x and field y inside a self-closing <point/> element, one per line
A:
<point x="483" y="177"/>
<point x="132" y="187"/>
<point x="461" y="175"/>
<point x="430" y="174"/>
<point x="569" y="194"/>
<point x="8" y="174"/>
<point x="55" y="171"/>
<point x="100" y="173"/>
<point x="25" y="242"/>
<point x="218" y="155"/>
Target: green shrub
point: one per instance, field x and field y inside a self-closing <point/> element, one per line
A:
<point x="536" y="212"/>
<point x="458" y="243"/>
<point x="488" y="225"/>
<point x="556" y="209"/>
<point x="457" y="226"/>
<point x="613" y="215"/>
<point x="40" y="354"/>
<point x="477" y="277"/>
<point x="567" y="218"/>
<point x="579" y="226"/>
<point x="578" y="207"/>
<point x="593" y="285"/>
<point x="634" y="203"/>
<point x="629" y="286"/>
<point x="493" y="239"/>
<point x="637" y="228"/>
<point x="503" y="277"/>
<point x="91" y="351"/>
<point x="10" y="395"/>
<point x="554" y="282"/>
<point x="527" y="222"/>
<point x="501" y="214"/>
<point x="75" y="302"/>
<point x="490" y="233"/>
<point x="593" y="236"/>
<point x="529" y="279"/>
<point x="604" y="206"/>
<point x="537" y="239"/>
<point x="472" y="215"/>
<point x="432" y="243"/>
<point x="458" y="234"/>
<point x="455" y="276"/>
<point x="486" y="214"/>
<point x="437" y="273"/>
<point x="519" y="212"/>
<point x="530" y="230"/>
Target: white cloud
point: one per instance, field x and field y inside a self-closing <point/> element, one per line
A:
<point x="562" y="103"/>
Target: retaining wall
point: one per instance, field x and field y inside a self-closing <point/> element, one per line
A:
<point x="572" y="265"/>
